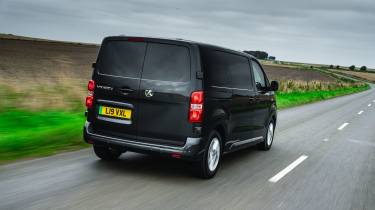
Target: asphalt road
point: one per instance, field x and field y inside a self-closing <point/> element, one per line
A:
<point x="323" y="157"/>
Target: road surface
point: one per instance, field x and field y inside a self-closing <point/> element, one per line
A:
<point x="323" y="157"/>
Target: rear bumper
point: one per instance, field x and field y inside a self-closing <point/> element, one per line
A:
<point x="192" y="149"/>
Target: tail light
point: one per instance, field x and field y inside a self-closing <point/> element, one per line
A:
<point x="91" y="86"/>
<point x="90" y="98"/>
<point x="196" y="107"/>
<point x="89" y="101"/>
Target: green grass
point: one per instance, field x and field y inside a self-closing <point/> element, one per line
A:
<point x="39" y="133"/>
<point x="290" y="99"/>
<point x="25" y="134"/>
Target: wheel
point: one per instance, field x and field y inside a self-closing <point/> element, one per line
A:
<point x="268" y="137"/>
<point x="106" y="153"/>
<point x="208" y="165"/>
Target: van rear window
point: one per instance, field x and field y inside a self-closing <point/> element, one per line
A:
<point x="163" y="62"/>
<point x="167" y="63"/>
<point x="122" y="58"/>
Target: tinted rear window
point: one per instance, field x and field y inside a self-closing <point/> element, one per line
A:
<point x="167" y="62"/>
<point x="122" y="58"/>
<point x="226" y="69"/>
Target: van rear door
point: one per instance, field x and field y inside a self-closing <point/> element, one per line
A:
<point x="117" y="75"/>
<point x="164" y="94"/>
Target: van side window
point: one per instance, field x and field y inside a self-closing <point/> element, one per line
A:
<point x="258" y="74"/>
<point x="167" y="63"/>
<point x="240" y="72"/>
<point x="226" y="69"/>
<point x="215" y="67"/>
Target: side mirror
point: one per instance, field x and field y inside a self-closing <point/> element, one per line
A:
<point x="259" y="86"/>
<point x="93" y="65"/>
<point x="274" y="86"/>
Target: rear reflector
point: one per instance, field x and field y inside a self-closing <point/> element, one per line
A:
<point x="89" y="101"/>
<point x="196" y="107"/>
<point x="176" y="155"/>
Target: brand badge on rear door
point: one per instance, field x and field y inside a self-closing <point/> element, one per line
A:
<point x="149" y="93"/>
<point x="104" y="87"/>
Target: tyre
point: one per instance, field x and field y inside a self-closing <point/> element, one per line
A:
<point x="268" y="137"/>
<point x="106" y="153"/>
<point x="208" y="165"/>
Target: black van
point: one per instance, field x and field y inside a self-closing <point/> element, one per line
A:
<point x="177" y="98"/>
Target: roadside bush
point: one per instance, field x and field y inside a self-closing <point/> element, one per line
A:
<point x="302" y="86"/>
<point x="352" y="67"/>
<point x="363" y="68"/>
<point x="337" y="67"/>
<point x="331" y="66"/>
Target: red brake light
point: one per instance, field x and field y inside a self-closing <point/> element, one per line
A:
<point x="196" y="97"/>
<point x="89" y="101"/>
<point x="91" y="85"/>
<point x="136" y="39"/>
<point x="196" y="107"/>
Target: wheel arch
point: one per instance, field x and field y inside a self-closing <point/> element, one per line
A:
<point x="271" y="116"/>
<point x="219" y="122"/>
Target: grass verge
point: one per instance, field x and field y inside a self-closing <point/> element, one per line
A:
<point x="294" y="98"/>
<point x="25" y="134"/>
<point x="39" y="133"/>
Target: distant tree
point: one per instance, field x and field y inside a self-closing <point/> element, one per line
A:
<point x="258" y="54"/>
<point x="331" y="66"/>
<point x="352" y="67"/>
<point x="272" y="58"/>
<point x="363" y="68"/>
<point x="337" y="67"/>
<point x="311" y="67"/>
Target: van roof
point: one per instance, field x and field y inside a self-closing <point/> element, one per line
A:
<point x="123" y="37"/>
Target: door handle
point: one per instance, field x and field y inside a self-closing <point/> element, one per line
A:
<point x="252" y="99"/>
<point x="126" y="91"/>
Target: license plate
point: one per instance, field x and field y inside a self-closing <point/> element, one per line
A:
<point x="115" y="112"/>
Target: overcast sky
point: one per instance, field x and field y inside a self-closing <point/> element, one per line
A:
<point x="318" y="31"/>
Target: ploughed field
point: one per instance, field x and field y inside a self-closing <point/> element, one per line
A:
<point x="287" y="73"/>
<point x="367" y="76"/>
<point x="49" y="74"/>
<point x="55" y="74"/>
<point x="49" y="61"/>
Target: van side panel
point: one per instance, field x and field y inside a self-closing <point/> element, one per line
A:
<point x="229" y="89"/>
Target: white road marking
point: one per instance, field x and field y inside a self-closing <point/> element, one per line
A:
<point x="325" y="139"/>
<point x="342" y="126"/>
<point x="364" y="143"/>
<point x="369" y="105"/>
<point x="288" y="169"/>
<point x="360" y="112"/>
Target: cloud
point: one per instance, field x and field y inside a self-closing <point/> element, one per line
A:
<point x="332" y="32"/>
